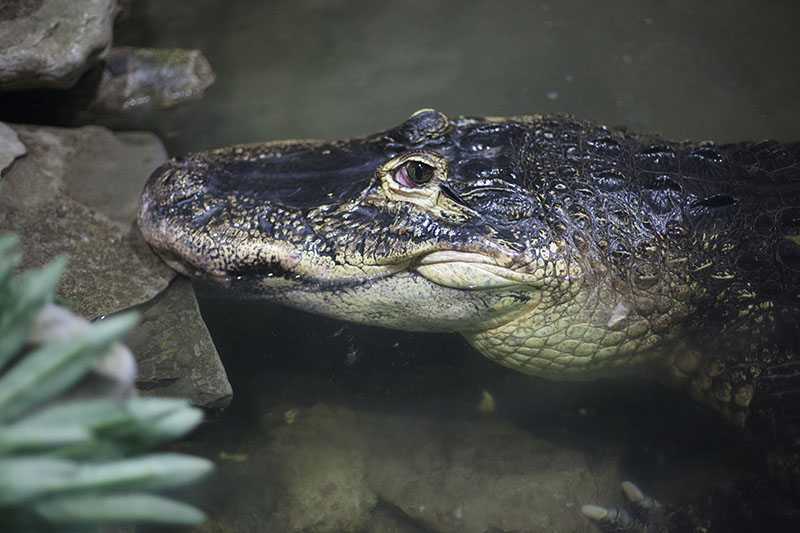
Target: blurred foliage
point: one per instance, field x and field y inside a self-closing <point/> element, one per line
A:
<point x="71" y="460"/>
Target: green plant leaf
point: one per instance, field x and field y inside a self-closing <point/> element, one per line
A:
<point x="21" y="305"/>
<point x="118" y="426"/>
<point x="30" y="438"/>
<point x="163" y="419"/>
<point x="7" y="242"/>
<point x="54" y="367"/>
<point x="90" y="413"/>
<point x="117" y="508"/>
<point x="8" y="262"/>
<point x="23" y="479"/>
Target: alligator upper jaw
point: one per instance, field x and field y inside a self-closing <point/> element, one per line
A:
<point x="293" y="265"/>
<point x="244" y="210"/>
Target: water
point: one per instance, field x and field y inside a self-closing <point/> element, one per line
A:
<point x="328" y="69"/>
<point x="331" y="69"/>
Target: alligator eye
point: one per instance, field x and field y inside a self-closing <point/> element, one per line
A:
<point x="413" y="174"/>
<point x="419" y="173"/>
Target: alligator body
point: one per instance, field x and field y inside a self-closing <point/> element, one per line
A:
<point x="557" y="246"/>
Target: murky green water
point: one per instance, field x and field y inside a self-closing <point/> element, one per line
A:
<point x="330" y="69"/>
<point x="327" y="69"/>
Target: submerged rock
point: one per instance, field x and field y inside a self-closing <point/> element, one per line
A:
<point x="128" y="79"/>
<point x="50" y="43"/>
<point x="333" y="468"/>
<point x="322" y="463"/>
<point x="481" y="475"/>
<point x="134" y="77"/>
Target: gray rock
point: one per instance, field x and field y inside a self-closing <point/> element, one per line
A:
<point x="128" y="80"/>
<point x="323" y="467"/>
<point x="10" y="147"/>
<point x="50" y="43"/>
<point x="76" y="193"/>
<point x="175" y="352"/>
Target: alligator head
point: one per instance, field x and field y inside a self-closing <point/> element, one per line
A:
<point x="421" y="227"/>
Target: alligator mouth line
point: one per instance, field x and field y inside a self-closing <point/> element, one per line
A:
<point x="279" y="270"/>
<point x="449" y="268"/>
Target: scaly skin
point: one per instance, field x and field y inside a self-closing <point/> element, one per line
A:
<point x="557" y="246"/>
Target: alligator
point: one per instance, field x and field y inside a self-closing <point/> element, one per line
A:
<point x="556" y="246"/>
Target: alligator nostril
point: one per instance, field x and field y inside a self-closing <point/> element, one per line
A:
<point x="188" y="185"/>
<point x="178" y="182"/>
